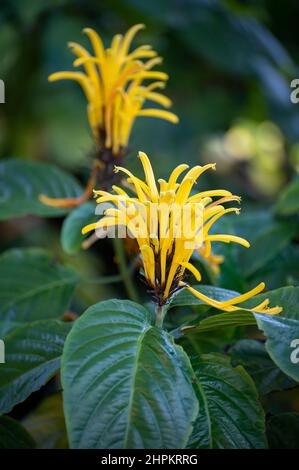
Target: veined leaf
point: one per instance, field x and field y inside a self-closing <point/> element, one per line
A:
<point x="32" y="287"/>
<point x="71" y="236"/>
<point x="282" y="341"/>
<point x="21" y="183"/>
<point x="126" y="385"/>
<point x="282" y="331"/>
<point x="230" y="415"/>
<point x="222" y="320"/>
<point x="46" y="423"/>
<point x="32" y="357"/>
<point x="212" y="321"/>
<point x="183" y="298"/>
<point x="288" y="202"/>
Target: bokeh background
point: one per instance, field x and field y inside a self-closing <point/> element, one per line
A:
<point x="230" y="63"/>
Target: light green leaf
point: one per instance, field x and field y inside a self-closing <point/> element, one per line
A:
<point x="282" y="270"/>
<point x="126" y="385"/>
<point x="288" y="202"/>
<point x="230" y="415"/>
<point x="251" y="354"/>
<point x="13" y="435"/>
<point x="71" y="236"/>
<point x="46" y="423"/>
<point x="32" y="357"/>
<point x="21" y="183"/>
<point x="283" y="431"/>
<point x="32" y="287"/>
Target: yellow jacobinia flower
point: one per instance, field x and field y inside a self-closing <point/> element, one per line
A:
<point x="169" y="224"/>
<point x="113" y="82"/>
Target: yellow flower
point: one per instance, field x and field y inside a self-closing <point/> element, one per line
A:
<point x="169" y="224"/>
<point x="113" y="82"/>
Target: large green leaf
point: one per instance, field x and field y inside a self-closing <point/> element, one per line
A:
<point x="13" y="435"/>
<point x="71" y="235"/>
<point x="32" y="357"/>
<point x="252" y="355"/>
<point x="282" y="341"/>
<point x="126" y="385"/>
<point x="283" y="431"/>
<point x="282" y="270"/>
<point x="230" y="415"/>
<point x="32" y="287"/>
<point x="288" y="203"/>
<point x="21" y="183"/>
<point x="46" y="423"/>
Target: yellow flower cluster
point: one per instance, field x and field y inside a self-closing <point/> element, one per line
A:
<point x="113" y="82"/>
<point x="169" y="223"/>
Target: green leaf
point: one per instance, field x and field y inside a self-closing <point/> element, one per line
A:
<point x="71" y="236"/>
<point x="183" y="298"/>
<point x="266" y="245"/>
<point x="281" y="330"/>
<point x="46" y="423"/>
<point x="288" y="202"/>
<point x="251" y="354"/>
<point x="283" y="431"/>
<point x="230" y="415"/>
<point x="32" y="287"/>
<point x="13" y="435"/>
<point x="222" y="320"/>
<point x="21" y="183"/>
<point x="32" y="357"/>
<point x="286" y="297"/>
<point x="126" y="385"/>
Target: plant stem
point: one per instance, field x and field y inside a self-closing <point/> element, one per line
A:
<point x="123" y="270"/>
<point x="160" y="314"/>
